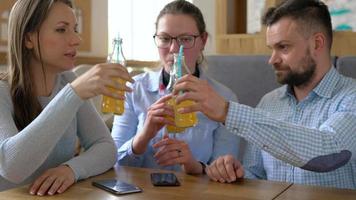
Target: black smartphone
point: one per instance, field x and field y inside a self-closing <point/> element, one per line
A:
<point x="116" y="187"/>
<point x="164" y="179"/>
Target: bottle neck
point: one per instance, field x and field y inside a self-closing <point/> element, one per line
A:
<point x="117" y="55"/>
<point x="166" y="75"/>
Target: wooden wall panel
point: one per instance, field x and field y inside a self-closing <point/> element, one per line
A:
<point x="4" y="6"/>
<point x="85" y="7"/>
<point x="242" y="44"/>
<point x="253" y="44"/>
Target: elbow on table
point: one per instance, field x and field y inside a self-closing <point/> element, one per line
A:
<point x="110" y="154"/>
<point x="11" y="174"/>
<point x="327" y="163"/>
<point x="114" y="153"/>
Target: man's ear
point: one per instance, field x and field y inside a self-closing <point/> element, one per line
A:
<point x="30" y="40"/>
<point x="319" y="41"/>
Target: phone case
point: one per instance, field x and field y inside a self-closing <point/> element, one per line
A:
<point x="164" y="179"/>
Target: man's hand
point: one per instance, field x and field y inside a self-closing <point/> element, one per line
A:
<point x="207" y="100"/>
<point x="225" y="169"/>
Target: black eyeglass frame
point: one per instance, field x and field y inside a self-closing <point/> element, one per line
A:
<point x="176" y="38"/>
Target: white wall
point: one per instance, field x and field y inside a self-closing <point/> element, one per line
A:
<point x="207" y="7"/>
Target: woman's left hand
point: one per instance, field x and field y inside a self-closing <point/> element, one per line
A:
<point x="172" y="151"/>
<point x="52" y="181"/>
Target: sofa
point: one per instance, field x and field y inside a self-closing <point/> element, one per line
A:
<point x="249" y="77"/>
<point x="347" y="66"/>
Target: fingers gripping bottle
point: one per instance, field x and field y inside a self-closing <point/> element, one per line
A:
<point x="109" y="104"/>
<point x="182" y="121"/>
<point x="188" y="119"/>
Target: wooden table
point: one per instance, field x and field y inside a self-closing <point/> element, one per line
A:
<point x="298" y="192"/>
<point x="192" y="187"/>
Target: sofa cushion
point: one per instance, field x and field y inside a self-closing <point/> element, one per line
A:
<point x="347" y="66"/>
<point x="250" y="77"/>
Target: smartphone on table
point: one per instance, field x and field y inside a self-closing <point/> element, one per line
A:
<point x="116" y="186"/>
<point x="164" y="179"/>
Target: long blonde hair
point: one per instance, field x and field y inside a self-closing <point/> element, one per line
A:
<point x="26" y="16"/>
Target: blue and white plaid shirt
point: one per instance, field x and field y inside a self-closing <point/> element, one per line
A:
<point x="309" y="142"/>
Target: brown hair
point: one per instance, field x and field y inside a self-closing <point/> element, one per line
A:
<point x="186" y="8"/>
<point x="26" y="16"/>
<point x="311" y="15"/>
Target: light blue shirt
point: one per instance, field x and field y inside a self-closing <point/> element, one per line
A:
<point x="207" y="140"/>
<point x="300" y="140"/>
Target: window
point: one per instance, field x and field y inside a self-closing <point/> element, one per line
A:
<point x="135" y="21"/>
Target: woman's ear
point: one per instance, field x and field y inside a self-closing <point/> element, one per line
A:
<point x="29" y="40"/>
<point x="204" y="38"/>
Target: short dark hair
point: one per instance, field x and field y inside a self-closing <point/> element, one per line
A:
<point x="311" y="15"/>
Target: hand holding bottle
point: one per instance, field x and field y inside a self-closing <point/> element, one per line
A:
<point x="182" y="121"/>
<point x="99" y="78"/>
<point x="206" y="99"/>
<point x="109" y="104"/>
<point x="157" y="116"/>
<point x="155" y="120"/>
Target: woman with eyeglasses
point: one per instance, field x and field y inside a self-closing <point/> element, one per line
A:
<point x="140" y="133"/>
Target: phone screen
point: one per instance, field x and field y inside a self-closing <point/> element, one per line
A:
<point x="164" y="179"/>
<point x="116" y="186"/>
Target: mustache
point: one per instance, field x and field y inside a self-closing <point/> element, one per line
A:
<point x="280" y="67"/>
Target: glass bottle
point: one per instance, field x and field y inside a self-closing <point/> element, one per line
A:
<point x="172" y="102"/>
<point x="109" y="104"/>
<point x="188" y="119"/>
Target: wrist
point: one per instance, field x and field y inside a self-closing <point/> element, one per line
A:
<point x="139" y="144"/>
<point x="192" y="167"/>
<point x="225" y="111"/>
<point x="77" y="91"/>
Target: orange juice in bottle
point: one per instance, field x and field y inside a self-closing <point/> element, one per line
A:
<point x="172" y="101"/>
<point x="187" y="119"/>
<point x="109" y="104"/>
<point x="170" y="128"/>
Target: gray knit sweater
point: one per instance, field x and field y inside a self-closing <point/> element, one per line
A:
<point x="50" y="139"/>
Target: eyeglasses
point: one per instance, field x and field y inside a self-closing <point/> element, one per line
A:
<point x="165" y="41"/>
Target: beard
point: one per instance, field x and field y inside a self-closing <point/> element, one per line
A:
<point x="300" y="77"/>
